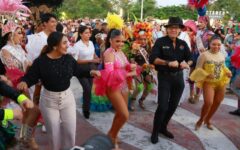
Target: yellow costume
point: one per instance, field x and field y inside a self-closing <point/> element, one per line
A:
<point x="211" y="63"/>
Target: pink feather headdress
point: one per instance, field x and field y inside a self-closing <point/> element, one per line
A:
<point x="10" y="11"/>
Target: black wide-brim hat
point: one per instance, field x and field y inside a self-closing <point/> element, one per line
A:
<point x="175" y="21"/>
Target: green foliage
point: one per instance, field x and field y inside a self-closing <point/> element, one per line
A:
<point x="181" y="11"/>
<point x="126" y="6"/>
<point x="100" y="8"/>
<point x="150" y="7"/>
<point x="231" y="6"/>
<point x="85" y="8"/>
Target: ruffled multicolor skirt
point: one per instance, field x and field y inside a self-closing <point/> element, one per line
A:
<point x="99" y="103"/>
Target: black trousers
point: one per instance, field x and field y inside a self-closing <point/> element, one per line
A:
<point x="170" y="89"/>
<point x="87" y="91"/>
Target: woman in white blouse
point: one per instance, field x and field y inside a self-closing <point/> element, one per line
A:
<point x="86" y="55"/>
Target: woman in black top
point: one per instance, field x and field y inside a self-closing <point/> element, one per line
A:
<point x="54" y="67"/>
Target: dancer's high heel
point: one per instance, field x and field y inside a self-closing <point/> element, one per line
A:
<point x="115" y="142"/>
<point x="198" y="125"/>
<point x="209" y="126"/>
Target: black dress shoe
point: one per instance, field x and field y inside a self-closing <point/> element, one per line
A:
<point x="154" y="138"/>
<point x="86" y="114"/>
<point x="236" y="112"/>
<point x="166" y="133"/>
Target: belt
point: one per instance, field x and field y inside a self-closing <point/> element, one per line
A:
<point x="171" y="73"/>
<point x="60" y="94"/>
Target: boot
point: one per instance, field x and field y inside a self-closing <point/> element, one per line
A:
<point x="26" y="138"/>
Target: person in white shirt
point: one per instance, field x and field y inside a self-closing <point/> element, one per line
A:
<point x="157" y="33"/>
<point x="87" y="56"/>
<point x="185" y="37"/>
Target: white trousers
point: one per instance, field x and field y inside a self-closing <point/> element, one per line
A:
<point x="59" y="113"/>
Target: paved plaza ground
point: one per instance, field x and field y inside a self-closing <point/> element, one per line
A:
<point x="135" y="134"/>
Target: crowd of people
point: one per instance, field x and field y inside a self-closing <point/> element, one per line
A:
<point x="115" y="62"/>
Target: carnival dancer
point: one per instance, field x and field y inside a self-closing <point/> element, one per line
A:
<point x="113" y="81"/>
<point x="211" y="75"/>
<point x="15" y="60"/>
<point x="12" y="54"/>
<point x="141" y="49"/>
<point x="116" y="71"/>
<point x="203" y="36"/>
<point x="54" y="67"/>
<point x="170" y="55"/>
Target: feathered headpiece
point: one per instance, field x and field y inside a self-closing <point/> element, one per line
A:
<point x="11" y="10"/>
<point x="142" y="28"/>
<point x="114" y="21"/>
<point x="200" y="5"/>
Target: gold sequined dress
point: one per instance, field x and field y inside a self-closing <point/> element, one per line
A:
<point x="211" y="63"/>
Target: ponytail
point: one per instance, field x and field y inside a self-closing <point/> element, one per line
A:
<point x="46" y="49"/>
<point x="112" y="34"/>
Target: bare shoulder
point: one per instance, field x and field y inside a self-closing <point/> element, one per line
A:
<point x="108" y="56"/>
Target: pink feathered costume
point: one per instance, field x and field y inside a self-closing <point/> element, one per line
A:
<point x="114" y="74"/>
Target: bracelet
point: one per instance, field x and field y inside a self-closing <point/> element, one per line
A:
<point x="21" y="98"/>
<point x="8" y="114"/>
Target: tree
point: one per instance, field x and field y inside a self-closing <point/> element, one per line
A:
<point x="150" y="6"/>
<point x="181" y="11"/>
<point x="85" y="8"/>
<point x="231" y="6"/>
<point x="125" y="5"/>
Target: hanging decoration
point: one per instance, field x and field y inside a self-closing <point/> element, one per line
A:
<point x="200" y="5"/>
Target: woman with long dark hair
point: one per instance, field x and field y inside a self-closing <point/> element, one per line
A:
<point x="86" y="56"/>
<point x="54" y="67"/>
<point x="212" y="64"/>
<point x="113" y="81"/>
<point x="13" y="55"/>
<point x="203" y="35"/>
